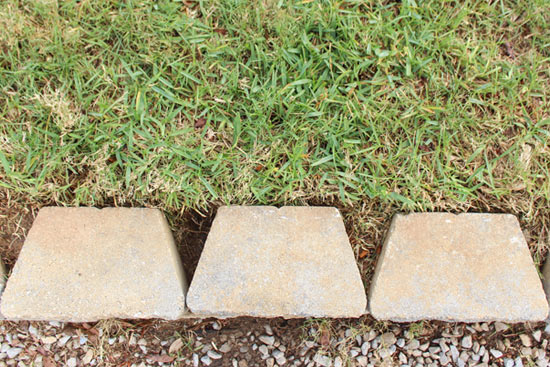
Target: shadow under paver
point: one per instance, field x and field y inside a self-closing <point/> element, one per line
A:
<point x="268" y="262"/>
<point x="546" y="279"/>
<point x="86" y="264"/>
<point x="467" y="267"/>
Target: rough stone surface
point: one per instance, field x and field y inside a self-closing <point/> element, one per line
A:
<point x="290" y="262"/>
<point x="85" y="264"/>
<point x="467" y="267"/>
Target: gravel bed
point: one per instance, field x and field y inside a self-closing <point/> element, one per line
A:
<point x="260" y="342"/>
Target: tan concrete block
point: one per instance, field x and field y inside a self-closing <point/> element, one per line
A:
<point x="86" y="264"/>
<point x="467" y="267"/>
<point x="290" y="262"/>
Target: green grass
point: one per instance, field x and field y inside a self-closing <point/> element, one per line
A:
<point x="441" y="105"/>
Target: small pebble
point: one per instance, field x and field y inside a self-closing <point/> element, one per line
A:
<point x="496" y="353"/>
<point x="13" y="352"/>
<point x="214" y="355"/>
<point x="525" y="340"/>
<point x="225" y="348"/>
<point x="500" y="326"/>
<point x="268" y="340"/>
<point x="388" y="339"/>
<point x="467" y="342"/>
<point x="365" y="348"/>
<point x="263" y="349"/>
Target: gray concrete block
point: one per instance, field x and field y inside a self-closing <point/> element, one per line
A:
<point x="86" y="264"/>
<point x="290" y="262"/>
<point x="467" y="267"/>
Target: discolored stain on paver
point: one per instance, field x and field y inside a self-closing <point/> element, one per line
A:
<point x="290" y="262"/>
<point x="86" y="264"/>
<point x="467" y="267"/>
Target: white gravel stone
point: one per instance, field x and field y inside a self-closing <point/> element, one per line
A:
<point x="33" y="330"/>
<point x="500" y="326"/>
<point x="49" y="339"/>
<point x="384" y="353"/>
<point x="413" y="344"/>
<point x="537" y="334"/>
<point x="467" y="342"/>
<point x="278" y="354"/>
<point x="362" y="361"/>
<point x="388" y="339"/>
<point x="88" y="357"/>
<point x="525" y="340"/>
<point x="322" y="360"/>
<point x="214" y="355"/>
<point x="225" y="348"/>
<point x="365" y="348"/>
<point x="13" y="352"/>
<point x="454" y="353"/>
<point x="268" y="340"/>
<point x="443" y="359"/>
<point x="496" y="353"/>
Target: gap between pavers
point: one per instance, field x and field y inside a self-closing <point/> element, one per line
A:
<point x="270" y="262"/>
<point x="546" y="280"/>
<point x="87" y="264"/>
<point x="466" y="267"/>
<point x="3" y="278"/>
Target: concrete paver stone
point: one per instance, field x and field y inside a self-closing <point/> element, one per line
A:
<point x="467" y="267"/>
<point x="290" y="262"/>
<point x="86" y="264"/>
